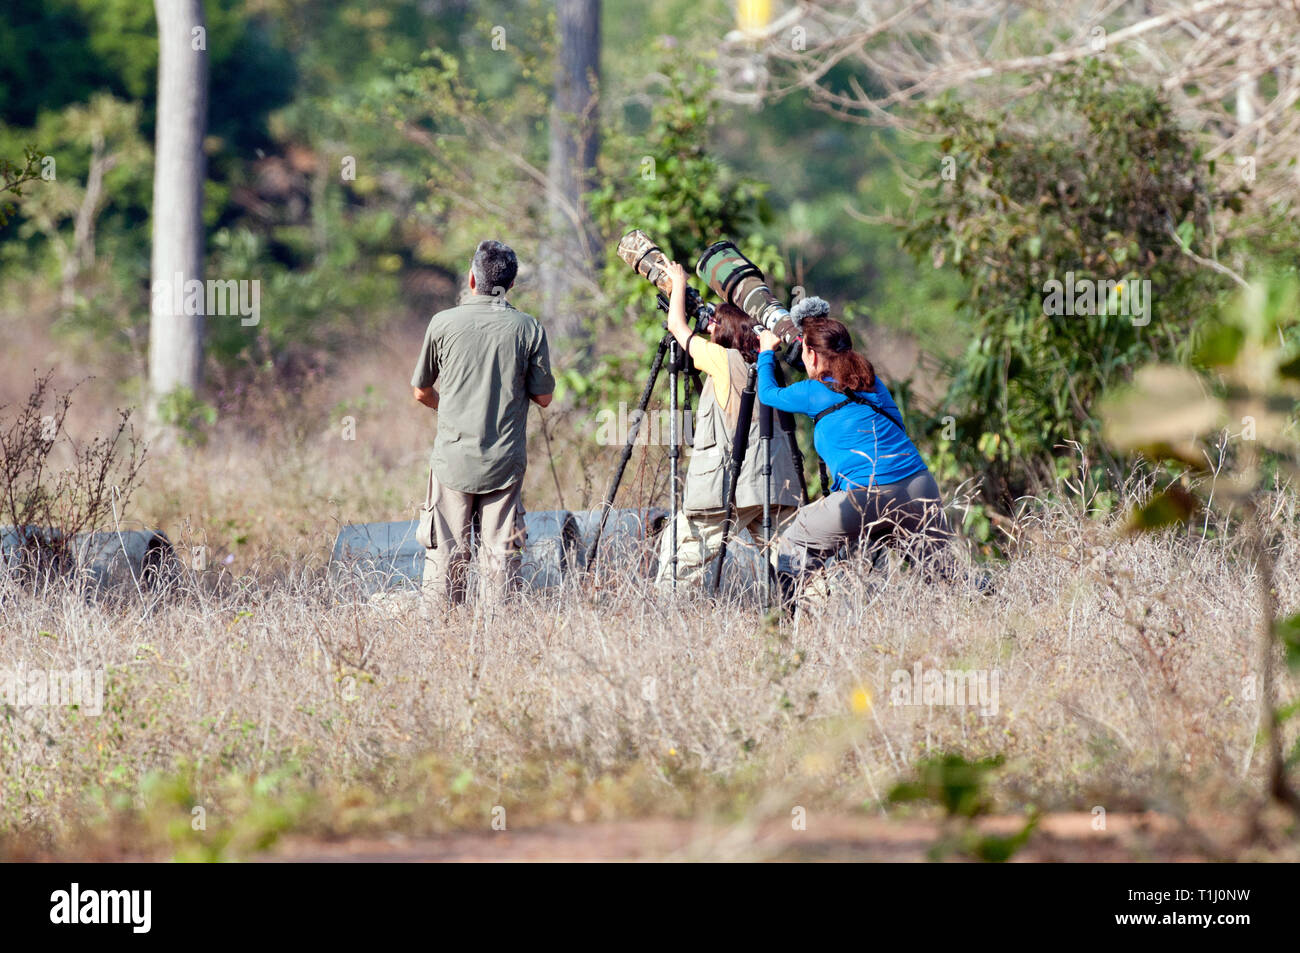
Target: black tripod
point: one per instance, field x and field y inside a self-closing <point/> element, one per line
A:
<point x="739" y="447"/>
<point x="765" y="440"/>
<point x="676" y="364"/>
<point x="786" y="420"/>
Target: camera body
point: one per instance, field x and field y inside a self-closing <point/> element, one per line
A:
<point x="696" y="310"/>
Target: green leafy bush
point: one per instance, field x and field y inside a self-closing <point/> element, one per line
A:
<point x="1095" y="178"/>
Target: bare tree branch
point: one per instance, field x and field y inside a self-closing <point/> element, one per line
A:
<point x="1231" y="67"/>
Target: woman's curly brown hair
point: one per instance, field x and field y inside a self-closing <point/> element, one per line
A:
<point x="849" y="369"/>
<point x="736" y="330"/>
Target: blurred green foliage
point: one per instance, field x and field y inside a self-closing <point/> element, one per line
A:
<point x="13" y="177"/>
<point x="1246" y="404"/>
<point x="663" y="178"/>
<point x="357" y="154"/>
<point x="188" y="414"/>
<point x="1096" y="179"/>
<point x="960" y="787"/>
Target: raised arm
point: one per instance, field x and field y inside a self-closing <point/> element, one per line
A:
<point x="769" y="392"/>
<point x="677" y="324"/>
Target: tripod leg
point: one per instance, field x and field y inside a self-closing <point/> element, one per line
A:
<point x="658" y="362"/>
<point x="739" y="445"/>
<point x="789" y="428"/>
<point x="673" y="450"/>
<point x="765" y="438"/>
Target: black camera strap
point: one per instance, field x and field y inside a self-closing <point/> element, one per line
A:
<point x="851" y="398"/>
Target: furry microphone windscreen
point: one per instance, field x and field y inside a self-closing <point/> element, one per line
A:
<point x="809" y="308"/>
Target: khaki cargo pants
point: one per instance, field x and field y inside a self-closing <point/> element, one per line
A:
<point x="498" y="520"/>
<point x="699" y="538"/>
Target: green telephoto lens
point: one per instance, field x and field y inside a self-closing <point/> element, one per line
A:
<point x="737" y="280"/>
<point x="722" y="267"/>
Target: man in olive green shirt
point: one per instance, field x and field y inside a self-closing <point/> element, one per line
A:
<point x="489" y="360"/>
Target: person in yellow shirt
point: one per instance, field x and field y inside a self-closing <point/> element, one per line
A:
<point x="726" y="358"/>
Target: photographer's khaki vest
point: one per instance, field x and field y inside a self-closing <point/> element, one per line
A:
<point x="706" y="477"/>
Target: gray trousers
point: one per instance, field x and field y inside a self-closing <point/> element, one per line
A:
<point x="499" y="519"/>
<point x="699" y="540"/>
<point x="907" y="515"/>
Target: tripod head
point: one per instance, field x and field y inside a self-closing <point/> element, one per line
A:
<point x="696" y="310"/>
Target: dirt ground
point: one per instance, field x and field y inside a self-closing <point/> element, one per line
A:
<point x="1059" y="837"/>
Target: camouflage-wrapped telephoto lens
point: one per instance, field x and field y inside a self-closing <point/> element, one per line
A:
<point x="648" y="260"/>
<point x="736" y="279"/>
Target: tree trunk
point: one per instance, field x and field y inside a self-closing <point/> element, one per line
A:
<point x="175" y="337"/>
<point x="569" y="253"/>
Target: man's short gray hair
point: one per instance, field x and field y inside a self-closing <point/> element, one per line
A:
<point x="495" y="266"/>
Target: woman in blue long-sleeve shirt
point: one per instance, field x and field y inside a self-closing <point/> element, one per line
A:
<point x="881" y="489"/>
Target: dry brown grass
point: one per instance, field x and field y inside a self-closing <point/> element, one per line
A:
<point x="279" y="701"/>
<point x="266" y="695"/>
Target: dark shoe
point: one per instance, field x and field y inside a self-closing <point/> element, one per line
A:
<point x="789" y="585"/>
